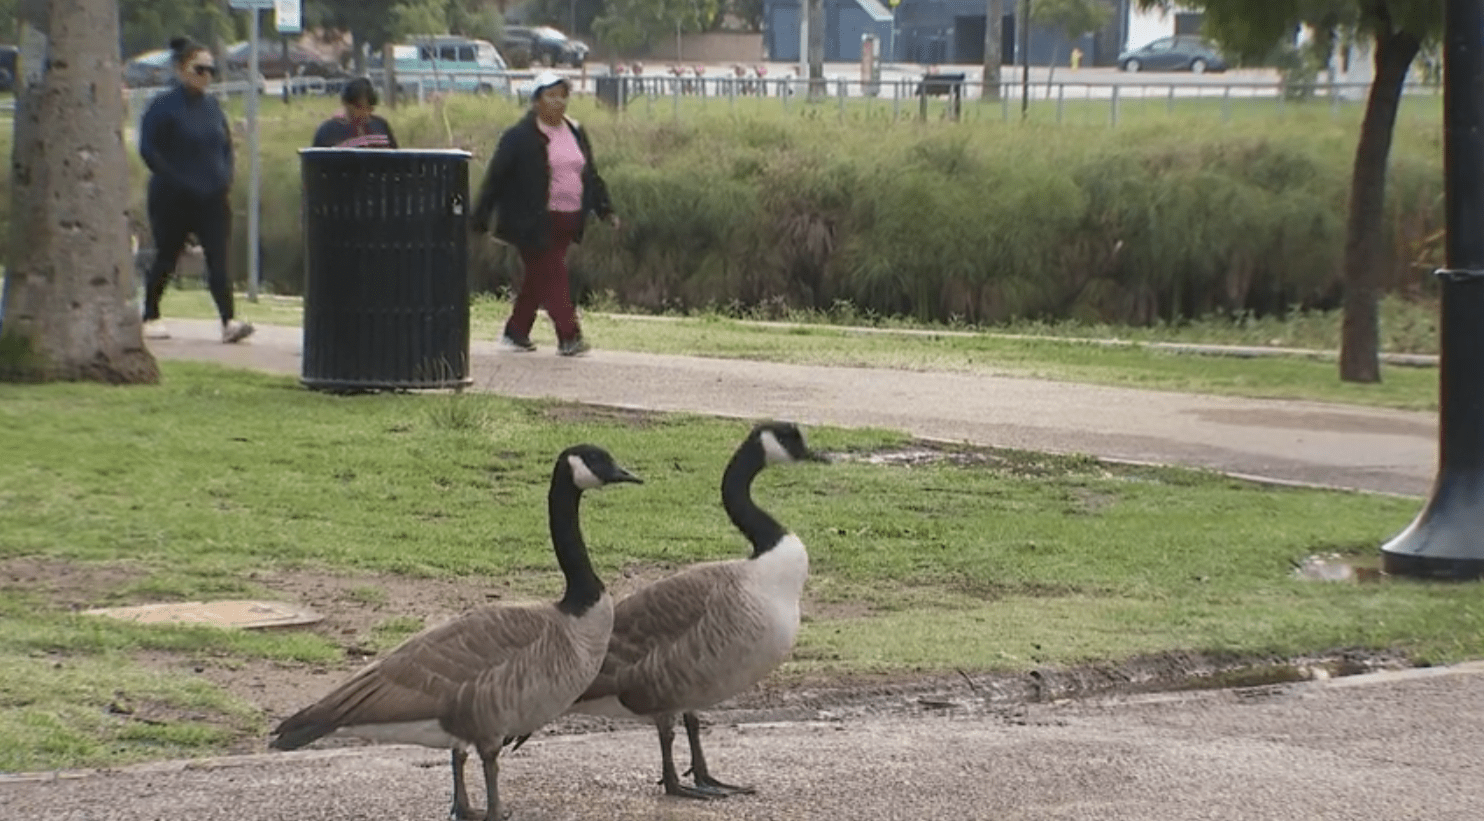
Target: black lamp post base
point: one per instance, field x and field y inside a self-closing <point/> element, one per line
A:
<point x="1445" y="542"/>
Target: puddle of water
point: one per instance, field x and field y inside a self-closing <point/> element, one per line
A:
<point x="1332" y="567"/>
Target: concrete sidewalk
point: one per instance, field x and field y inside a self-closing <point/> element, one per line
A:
<point x="1306" y="442"/>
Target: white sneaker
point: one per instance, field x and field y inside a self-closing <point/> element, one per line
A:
<point x="155" y="329"/>
<point x="235" y="331"/>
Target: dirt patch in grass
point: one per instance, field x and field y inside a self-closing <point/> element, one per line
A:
<point x="66" y="585"/>
<point x="921" y="452"/>
<point x="574" y="412"/>
<point x="353" y="606"/>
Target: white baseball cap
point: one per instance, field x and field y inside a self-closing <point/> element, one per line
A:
<point x="545" y="80"/>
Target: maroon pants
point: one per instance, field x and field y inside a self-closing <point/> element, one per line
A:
<point x="546" y="284"/>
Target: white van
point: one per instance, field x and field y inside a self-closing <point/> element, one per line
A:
<point x="450" y="63"/>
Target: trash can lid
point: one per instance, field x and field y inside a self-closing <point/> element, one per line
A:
<point x="444" y="152"/>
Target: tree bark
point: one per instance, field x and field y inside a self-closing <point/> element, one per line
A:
<point x="1360" y="332"/>
<point x="69" y="289"/>
<point x="994" y="19"/>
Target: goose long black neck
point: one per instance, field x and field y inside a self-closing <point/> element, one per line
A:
<point x="762" y="530"/>
<point x="584" y="588"/>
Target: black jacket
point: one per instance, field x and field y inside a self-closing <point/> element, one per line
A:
<point x="518" y="181"/>
<point x="185" y="141"/>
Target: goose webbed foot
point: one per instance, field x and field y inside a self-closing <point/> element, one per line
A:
<point x="465" y="813"/>
<point x="700" y="792"/>
<point x="471" y="814"/>
<point x="705" y="781"/>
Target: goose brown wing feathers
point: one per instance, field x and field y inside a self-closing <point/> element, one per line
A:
<point x="668" y="637"/>
<point x="418" y="680"/>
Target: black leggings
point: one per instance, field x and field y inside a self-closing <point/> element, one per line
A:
<point x="172" y="215"/>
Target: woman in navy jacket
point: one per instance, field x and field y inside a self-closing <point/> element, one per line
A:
<point x="185" y="141"/>
<point x="539" y="188"/>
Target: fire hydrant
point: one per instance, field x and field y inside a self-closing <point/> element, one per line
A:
<point x="1076" y="58"/>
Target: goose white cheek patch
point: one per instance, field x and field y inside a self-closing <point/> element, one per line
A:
<point x="582" y="475"/>
<point x="773" y="450"/>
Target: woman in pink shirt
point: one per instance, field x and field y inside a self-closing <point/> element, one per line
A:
<point x="539" y="188"/>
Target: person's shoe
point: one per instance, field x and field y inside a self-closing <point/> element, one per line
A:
<point x="155" y="329"/>
<point x="234" y="331"/>
<point x="522" y="344"/>
<point x="576" y="346"/>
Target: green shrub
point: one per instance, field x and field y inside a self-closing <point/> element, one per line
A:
<point x="762" y="209"/>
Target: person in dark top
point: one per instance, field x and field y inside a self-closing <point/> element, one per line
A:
<point x="185" y="141"/>
<point x="357" y="126"/>
<point x="539" y="187"/>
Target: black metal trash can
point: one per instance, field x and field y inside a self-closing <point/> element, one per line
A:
<point x="942" y="85"/>
<point x="612" y="90"/>
<point x="386" y="289"/>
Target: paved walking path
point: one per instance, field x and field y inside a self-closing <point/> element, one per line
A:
<point x="1339" y="445"/>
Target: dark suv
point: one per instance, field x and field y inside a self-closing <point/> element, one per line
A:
<point x="542" y="45"/>
<point x="7" y="68"/>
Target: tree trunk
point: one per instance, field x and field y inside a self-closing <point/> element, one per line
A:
<point x="1364" y="230"/>
<point x="816" y="49"/>
<point x="994" y="19"/>
<point x="69" y="292"/>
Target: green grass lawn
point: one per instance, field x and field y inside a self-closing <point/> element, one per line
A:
<point x="979" y="561"/>
<point x="1025" y="349"/>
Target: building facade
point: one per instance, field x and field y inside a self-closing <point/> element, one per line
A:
<point x="846" y="22"/>
<point x="948" y="32"/>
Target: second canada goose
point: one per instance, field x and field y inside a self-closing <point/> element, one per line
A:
<point x="493" y="676"/>
<point x="705" y="634"/>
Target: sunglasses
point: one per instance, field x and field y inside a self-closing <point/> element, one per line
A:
<point x="204" y="70"/>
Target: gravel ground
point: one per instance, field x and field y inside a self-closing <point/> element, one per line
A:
<point x="1387" y="745"/>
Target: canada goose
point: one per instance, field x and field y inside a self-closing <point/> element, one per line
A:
<point x="493" y="676"/>
<point x="700" y="636"/>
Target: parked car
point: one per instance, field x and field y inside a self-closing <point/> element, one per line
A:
<point x="152" y="69"/>
<point x="544" y="45"/>
<point x="450" y="63"/>
<point x="274" y="64"/>
<point x="7" y="67"/>
<point x="149" y="69"/>
<point x="1178" y="53"/>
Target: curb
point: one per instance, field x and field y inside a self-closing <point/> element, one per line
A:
<point x="1377" y="678"/>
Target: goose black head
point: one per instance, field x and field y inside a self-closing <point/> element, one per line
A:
<point x="783" y="442"/>
<point x="592" y="467"/>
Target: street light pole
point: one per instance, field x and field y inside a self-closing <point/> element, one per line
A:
<point x="1025" y="60"/>
<point x="1446" y="540"/>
